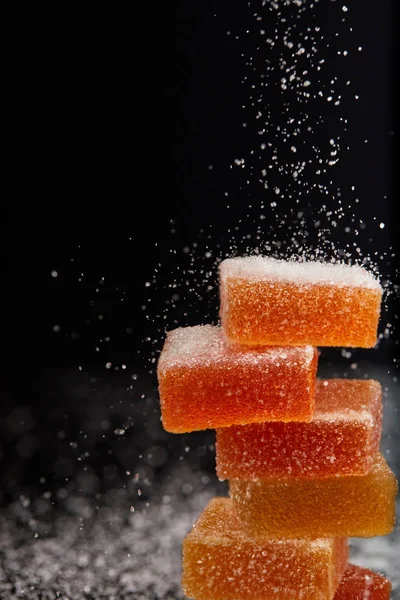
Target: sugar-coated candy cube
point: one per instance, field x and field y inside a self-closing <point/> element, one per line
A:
<point x="269" y="301"/>
<point x="207" y="382"/>
<point x="220" y="562"/>
<point x="362" y="584"/>
<point x="294" y="507"/>
<point x="341" y="439"/>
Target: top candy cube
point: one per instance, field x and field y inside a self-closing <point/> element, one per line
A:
<point x="265" y="301"/>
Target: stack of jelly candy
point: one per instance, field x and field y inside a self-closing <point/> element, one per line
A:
<point x="301" y="454"/>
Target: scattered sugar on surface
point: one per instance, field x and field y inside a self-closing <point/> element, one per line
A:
<point x="111" y="555"/>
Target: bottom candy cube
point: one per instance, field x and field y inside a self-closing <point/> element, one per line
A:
<point x="359" y="584"/>
<point x="220" y="562"/>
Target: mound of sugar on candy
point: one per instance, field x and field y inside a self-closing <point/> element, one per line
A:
<point x="362" y="584"/>
<point x="294" y="507"/>
<point x="221" y="563"/>
<point x="269" y="301"/>
<point x="341" y="439"/>
<point x="206" y="382"/>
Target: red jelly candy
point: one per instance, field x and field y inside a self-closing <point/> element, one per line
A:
<point x="207" y="382"/>
<point x="362" y="584"/>
<point x="341" y="439"/>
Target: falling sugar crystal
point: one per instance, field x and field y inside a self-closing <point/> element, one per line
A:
<point x="341" y="439"/>
<point x="270" y="301"/>
<point x="294" y="507"/>
<point x="220" y="562"/>
<point x="362" y="584"/>
<point x="206" y="382"/>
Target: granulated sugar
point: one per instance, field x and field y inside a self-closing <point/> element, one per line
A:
<point x="115" y="555"/>
<point x="302" y="273"/>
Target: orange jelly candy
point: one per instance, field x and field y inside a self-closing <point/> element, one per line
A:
<point x="206" y="382"/>
<point x="341" y="439"/>
<point x="362" y="584"/>
<point x="221" y="563"/>
<point x="294" y="507"/>
<point x="288" y="303"/>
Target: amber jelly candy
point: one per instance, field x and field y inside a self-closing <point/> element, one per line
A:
<point x="291" y="507"/>
<point x="289" y="303"/>
<point x="220" y="562"/>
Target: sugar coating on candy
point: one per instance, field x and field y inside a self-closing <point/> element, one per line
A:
<point x="207" y="382"/>
<point x="306" y="272"/>
<point x="362" y="584"/>
<point x="220" y="562"/>
<point x="270" y="301"/>
<point x="295" y="507"/>
<point x="341" y="439"/>
<point x="189" y="346"/>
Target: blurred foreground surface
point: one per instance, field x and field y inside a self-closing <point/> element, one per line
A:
<point x="97" y="497"/>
